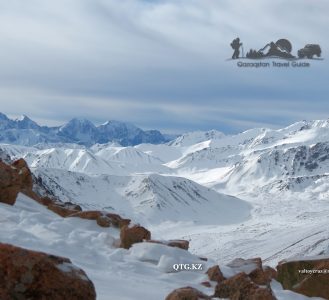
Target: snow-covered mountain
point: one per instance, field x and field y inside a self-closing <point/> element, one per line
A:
<point x="150" y="199"/>
<point x="24" y="131"/>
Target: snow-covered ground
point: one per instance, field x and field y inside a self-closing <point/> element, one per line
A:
<point x="260" y="193"/>
<point x="145" y="271"/>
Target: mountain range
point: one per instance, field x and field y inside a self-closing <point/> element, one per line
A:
<point x="24" y="131"/>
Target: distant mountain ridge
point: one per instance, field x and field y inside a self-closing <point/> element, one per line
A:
<point x="26" y="132"/>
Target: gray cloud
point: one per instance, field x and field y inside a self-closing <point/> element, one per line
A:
<point x="159" y="64"/>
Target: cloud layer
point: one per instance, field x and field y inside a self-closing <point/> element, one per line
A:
<point x="159" y="64"/>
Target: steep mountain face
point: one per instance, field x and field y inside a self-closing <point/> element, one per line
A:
<point x="24" y="131"/>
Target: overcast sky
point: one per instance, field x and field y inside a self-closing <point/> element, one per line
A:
<point x="160" y="64"/>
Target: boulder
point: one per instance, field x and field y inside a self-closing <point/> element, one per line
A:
<point x="308" y="277"/>
<point x="15" y="178"/>
<point x="132" y="235"/>
<point x="186" y="293"/>
<point x="27" y="274"/>
<point x="240" y="287"/>
<point x="215" y="274"/>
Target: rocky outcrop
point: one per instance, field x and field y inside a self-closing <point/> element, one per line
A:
<point x="26" y="274"/>
<point x="103" y="219"/>
<point x="134" y="234"/>
<point x="215" y="274"/>
<point x="182" y="244"/>
<point x="187" y="293"/>
<point x="14" y="178"/>
<point x="240" y="287"/>
<point x="307" y="277"/>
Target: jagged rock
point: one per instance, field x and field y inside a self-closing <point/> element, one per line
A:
<point x="215" y="274"/>
<point x="182" y="244"/>
<point x="132" y="235"/>
<point x="27" y="274"/>
<point x="298" y="276"/>
<point x="240" y="287"/>
<point x="186" y="293"/>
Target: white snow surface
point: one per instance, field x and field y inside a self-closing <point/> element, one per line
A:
<point x="260" y="193"/>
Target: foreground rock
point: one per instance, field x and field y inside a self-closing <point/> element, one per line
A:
<point x="26" y="274"/>
<point x="306" y="277"/>
<point x="240" y="287"/>
<point x="132" y="235"/>
<point x="186" y="293"/>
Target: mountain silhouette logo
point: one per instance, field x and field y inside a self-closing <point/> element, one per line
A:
<point x="282" y="49"/>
